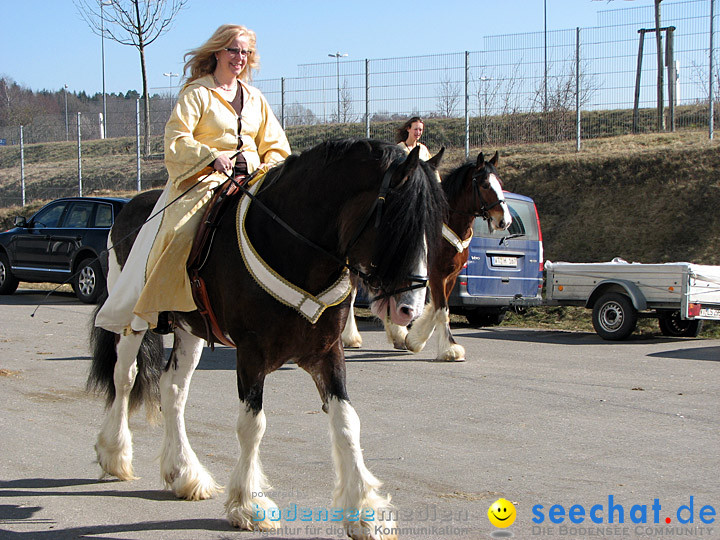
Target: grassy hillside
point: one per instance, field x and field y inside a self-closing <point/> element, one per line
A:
<point x="645" y="198"/>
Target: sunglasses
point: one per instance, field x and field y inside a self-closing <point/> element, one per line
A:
<point x="235" y="51"/>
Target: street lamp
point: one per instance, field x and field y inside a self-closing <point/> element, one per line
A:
<point x="102" y="48"/>
<point x="67" y="130"/>
<point x="337" y="57"/>
<point x="171" y="75"/>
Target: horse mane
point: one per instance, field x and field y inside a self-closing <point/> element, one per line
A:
<point x="411" y="213"/>
<point x="453" y="184"/>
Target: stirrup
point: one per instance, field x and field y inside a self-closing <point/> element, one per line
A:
<point x="164" y="324"/>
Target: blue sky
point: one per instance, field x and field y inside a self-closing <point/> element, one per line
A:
<point x="46" y="44"/>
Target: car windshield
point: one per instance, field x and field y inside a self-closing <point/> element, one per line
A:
<point x="524" y="223"/>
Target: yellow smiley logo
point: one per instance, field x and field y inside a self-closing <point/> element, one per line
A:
<point x="501" y="513"/>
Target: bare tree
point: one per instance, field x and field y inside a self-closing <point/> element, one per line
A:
<point x="346" y="105"/>
<point x="132" y="22"/>
<point x="448" y="97"/>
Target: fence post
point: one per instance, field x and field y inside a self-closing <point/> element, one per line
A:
<point x="467" y="105"/>
<point x="282" y="102"/>
<point x="577" y="88"/>
<point x="79" y="144"/>
<point x="711" y="119"/>
<point x="22" y="165"/>
<point x="367" y="98"/>
<point x="137" y="142"/>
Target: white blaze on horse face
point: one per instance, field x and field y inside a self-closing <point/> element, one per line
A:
<point x="404" y="307"/>
<point x="507" y="218"/>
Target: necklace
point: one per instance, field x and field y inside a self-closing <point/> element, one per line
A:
<point x="222" y="87"/>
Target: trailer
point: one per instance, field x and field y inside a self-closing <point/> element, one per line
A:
<point x="680" y="295"/>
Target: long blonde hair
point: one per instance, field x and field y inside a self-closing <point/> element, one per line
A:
<point x="202" y="61"/>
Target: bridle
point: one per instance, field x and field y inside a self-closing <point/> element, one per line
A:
<point x="376" y="209"/>
<point x="484" y="208"/>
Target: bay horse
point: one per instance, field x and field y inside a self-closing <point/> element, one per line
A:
<point x="356" y="205"/>
<point x="472" y="190"/>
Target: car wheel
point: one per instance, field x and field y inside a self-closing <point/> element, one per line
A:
<point x="614" y="317"/>
<point x="671" y="324"/>
<point x="8" y="282"/>
<point x="89" y="282"/>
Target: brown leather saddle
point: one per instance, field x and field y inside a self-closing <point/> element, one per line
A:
<point x="220" y="202"/>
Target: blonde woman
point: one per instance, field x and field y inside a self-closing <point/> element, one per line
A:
<point x="408" y="136"/>
<point x="217" y="114"/>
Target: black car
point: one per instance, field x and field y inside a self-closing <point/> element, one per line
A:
<point x="64" y="241"/>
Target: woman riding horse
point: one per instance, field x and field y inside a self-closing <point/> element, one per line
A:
<point x="217" y="116"/>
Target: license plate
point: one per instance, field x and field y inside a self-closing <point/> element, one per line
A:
<point x="505" y="261"/>
<point x="710" y="312"/>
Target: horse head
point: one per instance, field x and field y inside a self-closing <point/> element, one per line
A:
<point x="488" y="199"/>
<point x="407" y="217"/>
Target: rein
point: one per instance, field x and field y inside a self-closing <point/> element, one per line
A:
<point x="376" y="209"/>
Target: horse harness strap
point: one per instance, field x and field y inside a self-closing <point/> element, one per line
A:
<point x="454" y="239"/>
<point x="308" y="305"/>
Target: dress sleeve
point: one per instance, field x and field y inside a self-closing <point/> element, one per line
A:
<point x="272" y="143"/>
<point x="185" y="155"/>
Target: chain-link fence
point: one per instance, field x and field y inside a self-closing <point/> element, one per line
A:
<point x="533" y="87"/>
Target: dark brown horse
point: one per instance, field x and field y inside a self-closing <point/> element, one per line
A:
<point x="472" y="190"/>
<point x="360" y="206"/>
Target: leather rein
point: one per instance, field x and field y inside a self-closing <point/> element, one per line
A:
<point x="376" y="209"/>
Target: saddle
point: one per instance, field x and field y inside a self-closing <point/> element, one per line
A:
<point x="216" y="207"/>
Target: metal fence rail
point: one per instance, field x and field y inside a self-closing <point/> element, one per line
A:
<point x="570" y="84"/>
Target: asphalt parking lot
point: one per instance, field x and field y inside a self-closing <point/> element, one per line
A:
<point x="600" y="431"/>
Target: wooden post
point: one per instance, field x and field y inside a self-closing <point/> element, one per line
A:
<point x="636" y="112"/>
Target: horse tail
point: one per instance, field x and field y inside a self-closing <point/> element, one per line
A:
<point x="150" y="361"/>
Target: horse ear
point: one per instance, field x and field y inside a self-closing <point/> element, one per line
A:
<point x="480" y="160"/>
<point x="435" y="160"/>
<point x="408" y="166"/>
<point x="494" y="159"/>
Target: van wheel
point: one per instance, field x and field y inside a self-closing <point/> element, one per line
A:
<point x="8" y="282"/>
<point x="89" y="282"/>
<point x="614" y="317"/>
<point x="671" y="324"/>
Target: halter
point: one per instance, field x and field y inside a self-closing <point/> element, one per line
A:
<point x="370" y="279"/>
<point x="484" y="211"/>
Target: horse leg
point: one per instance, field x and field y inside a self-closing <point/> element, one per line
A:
<point x="180" y="468"/>
<point x="368" y="515"/>
<point x="248" y="507"/>
<point x="422" y="329"/>
<point x="448" y="349"/>
<point x="351" y="337"/>
<point x="114" y="442"/>
<point x="396" y="334"/>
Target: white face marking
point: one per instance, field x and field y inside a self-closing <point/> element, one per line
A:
<point x="495" y="186"/>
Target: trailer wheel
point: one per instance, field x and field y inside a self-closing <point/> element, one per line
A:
<point x="671" y="324"/>
<point x="614" y="317"/>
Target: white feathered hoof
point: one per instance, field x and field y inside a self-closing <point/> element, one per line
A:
<point x="253" y="515"/>
<point x="352" y="342"/>
<point x="374" y="530"/>
<point x="114" y="460"/>
<point x="192" y="484"/>
<point x="455" y="353"/>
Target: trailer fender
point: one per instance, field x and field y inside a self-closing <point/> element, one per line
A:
<point x="622" y="286"/>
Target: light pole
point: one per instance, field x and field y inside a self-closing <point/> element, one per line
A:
<point x="67" y="130"/>
<point x="337" y="56"/>
<point x="102" y="48"/>
<point x="171" y="75"/>
<point x="484" y="80"/>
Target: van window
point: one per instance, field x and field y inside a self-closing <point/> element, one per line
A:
<point x="523" y="223"/>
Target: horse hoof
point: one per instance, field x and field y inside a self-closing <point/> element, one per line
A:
<point x="456" y="353"/>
